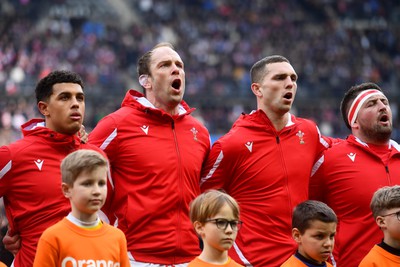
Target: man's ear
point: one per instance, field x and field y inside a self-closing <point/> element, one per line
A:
<point x="43" y="108"/>
<point x="296" y="235"/>
<point x="144" y="81"/>
<point x="66" y="190"/>
<point x="355" y="125"/>
<point x="255" y="87"/>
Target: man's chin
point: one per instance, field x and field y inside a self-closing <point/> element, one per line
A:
<point x="384" y="135"/>
<point x="73" y="130"/>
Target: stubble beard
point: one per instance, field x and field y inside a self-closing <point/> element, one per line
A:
<point x="378" y="133"/>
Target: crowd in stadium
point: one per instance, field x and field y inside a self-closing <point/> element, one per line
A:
<point x="332" y="44"/>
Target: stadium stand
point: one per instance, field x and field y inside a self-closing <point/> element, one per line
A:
<point x="332" y="44"/>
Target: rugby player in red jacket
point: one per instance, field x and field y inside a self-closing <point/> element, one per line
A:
<point x="30" y="168"/>
<point x="265" y="162"/>
<point x="350" y="172"/>
<point x="156" y="150"/>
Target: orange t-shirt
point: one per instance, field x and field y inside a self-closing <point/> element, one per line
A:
<point x="293" y="261"/>
<point x="200" y="263"/>
<point x="66" y="244"/>
<point x="377" y="256"/>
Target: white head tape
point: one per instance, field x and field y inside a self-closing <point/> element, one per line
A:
<point x="358" y="102"/>
<point x="143" y="79"/>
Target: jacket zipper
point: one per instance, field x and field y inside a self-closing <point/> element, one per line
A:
<point x="178" y="240"/>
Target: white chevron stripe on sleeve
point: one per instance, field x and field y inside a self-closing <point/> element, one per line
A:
<point x="5" y="169"/>
<point x="108" y="140"/>
<point x="215" y="166"/>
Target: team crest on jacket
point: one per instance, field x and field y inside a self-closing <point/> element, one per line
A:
<point x="194" y="131"/>
<point x="300" y="134"/>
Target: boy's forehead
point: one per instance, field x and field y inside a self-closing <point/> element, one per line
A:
<point x="318" y="225"/>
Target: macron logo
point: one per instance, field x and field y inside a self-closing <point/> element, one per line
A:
<point x="39" y="163"/>
<point x="352" y="156"/>
<point x="249" y="146"/>
<point x="145" y="129"/>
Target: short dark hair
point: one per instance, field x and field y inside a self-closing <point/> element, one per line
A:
<point x="259" y="70"/>
<point x="350" y="95"/>
<point x="385" y="198"/>
<point x="310" y="210"/>
<point x="44" y="88"/>
<point x="143" y="64"/>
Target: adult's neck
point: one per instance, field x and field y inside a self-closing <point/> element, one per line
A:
<point x="172" y="109"/>
<point x="372" y="141"/>
<point x="279" y="121"/>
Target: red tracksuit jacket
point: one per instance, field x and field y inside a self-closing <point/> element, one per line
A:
<point x="30" y="182"/>
<point x="267" y="172"/>
<point x="156" y="161"/>
<point x="348" y="177"/>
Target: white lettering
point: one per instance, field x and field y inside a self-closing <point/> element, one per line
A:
<point x="88" y="263"/>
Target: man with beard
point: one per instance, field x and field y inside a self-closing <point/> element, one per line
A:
<point x="349" y="173"/>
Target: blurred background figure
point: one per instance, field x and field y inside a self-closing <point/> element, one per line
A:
<point x="336" y="44"/>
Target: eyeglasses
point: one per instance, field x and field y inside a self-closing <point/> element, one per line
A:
<point x="223" y="224"/>
<point x="397" y="213"/>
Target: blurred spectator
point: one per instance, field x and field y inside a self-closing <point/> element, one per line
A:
<point x="335" y="45"/>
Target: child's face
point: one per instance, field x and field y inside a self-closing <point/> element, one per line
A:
<point x="390" y="225"/>
<point x="317" y="241"/>
<point x="88" y="193"/>
<point x="215" y="238"/>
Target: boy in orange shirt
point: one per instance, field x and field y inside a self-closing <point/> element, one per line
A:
<point x="215" y="217"/>
<point x="81" y="237"/>
<point x="385" y="206"/>
<point x="313" y="229"/>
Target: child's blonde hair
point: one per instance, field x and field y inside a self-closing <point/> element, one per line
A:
<point x="209" y="204"/>
<point x="385" y="198"/>
<point x="79" y="161"/>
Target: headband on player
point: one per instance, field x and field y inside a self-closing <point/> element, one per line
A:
<point x="358" y="102"/>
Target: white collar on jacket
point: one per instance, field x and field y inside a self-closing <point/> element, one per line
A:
<point x="392" y="143"/>
<point x="289" y="122"/>
<point x="35" y="125"/>
<point x="145" y="102"/>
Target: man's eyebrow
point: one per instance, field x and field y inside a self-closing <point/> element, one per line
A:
<point x="164" y="61"/>
<point x="69" y="93"/>
<point x="65" y="93"/>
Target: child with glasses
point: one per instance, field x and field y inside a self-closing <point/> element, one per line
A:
<point x="313" y="229"/>
<point x="215" y="217"/>
<point x="81" y="238"/>
<point x="385" y="206"/>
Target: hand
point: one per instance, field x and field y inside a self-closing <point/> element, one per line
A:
<point x="83" y="135"/>
<point x="12" y="242"/>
